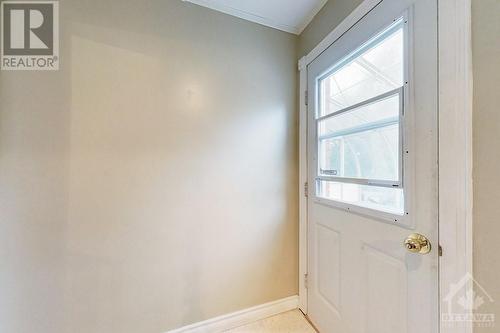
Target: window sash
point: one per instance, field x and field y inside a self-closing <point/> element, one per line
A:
<point x="370" y="126"/>
<point x="373" y="100"/>
<point x="362" y="128"/>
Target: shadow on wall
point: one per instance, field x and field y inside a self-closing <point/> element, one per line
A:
<point x="182" y="167"/>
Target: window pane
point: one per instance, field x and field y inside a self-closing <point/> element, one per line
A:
<point x="390" y="200"/>
<point x="373" y="69"/>
<point x="362" y="143"/>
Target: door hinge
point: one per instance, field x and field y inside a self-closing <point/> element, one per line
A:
<point x="306" y="189"/>
<point x="440" y="250"/>
<point x="306" y="96"/>
<point x="306" y="280"/>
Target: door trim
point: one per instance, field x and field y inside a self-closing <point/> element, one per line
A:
<point x="455" y="144"/>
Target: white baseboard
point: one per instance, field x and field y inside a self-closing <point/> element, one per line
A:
<point x="240" y="318"/>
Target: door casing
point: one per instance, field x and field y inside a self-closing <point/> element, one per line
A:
<point x="455" y="144"/>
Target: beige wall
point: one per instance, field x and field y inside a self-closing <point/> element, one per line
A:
<point x="486" y="62"/>
<point x="158" y="168"/>
<point x="324" y="22"/>
<point x="34" y="141"/>
<point x="33" y="197"/>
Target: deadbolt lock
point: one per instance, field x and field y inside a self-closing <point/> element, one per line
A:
<point x="416" y="243"/>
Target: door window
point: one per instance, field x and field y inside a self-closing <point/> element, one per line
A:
<point x="360" y="125"/>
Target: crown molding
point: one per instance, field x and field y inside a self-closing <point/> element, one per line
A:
<point x="260" y="19"/>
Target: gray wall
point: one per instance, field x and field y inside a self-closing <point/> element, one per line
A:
<point x="152" y="181"/>
<point x="486" y="62"/>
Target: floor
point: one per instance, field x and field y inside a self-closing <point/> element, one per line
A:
<point x="288" y="322"/>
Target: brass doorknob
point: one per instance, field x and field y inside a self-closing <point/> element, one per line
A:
<point x="416" y="243"/>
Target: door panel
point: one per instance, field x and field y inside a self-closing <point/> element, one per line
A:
<point x="386" y="281"/>
<point x="361" y="277"/>
<point x="328" y="266"/>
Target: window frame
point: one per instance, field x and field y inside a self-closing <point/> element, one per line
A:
<point x="406" y="130"/>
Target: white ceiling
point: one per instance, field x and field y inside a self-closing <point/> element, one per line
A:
<point x="287" y="15"/>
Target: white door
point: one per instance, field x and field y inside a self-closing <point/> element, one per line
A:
<point x="372" y="161"/>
